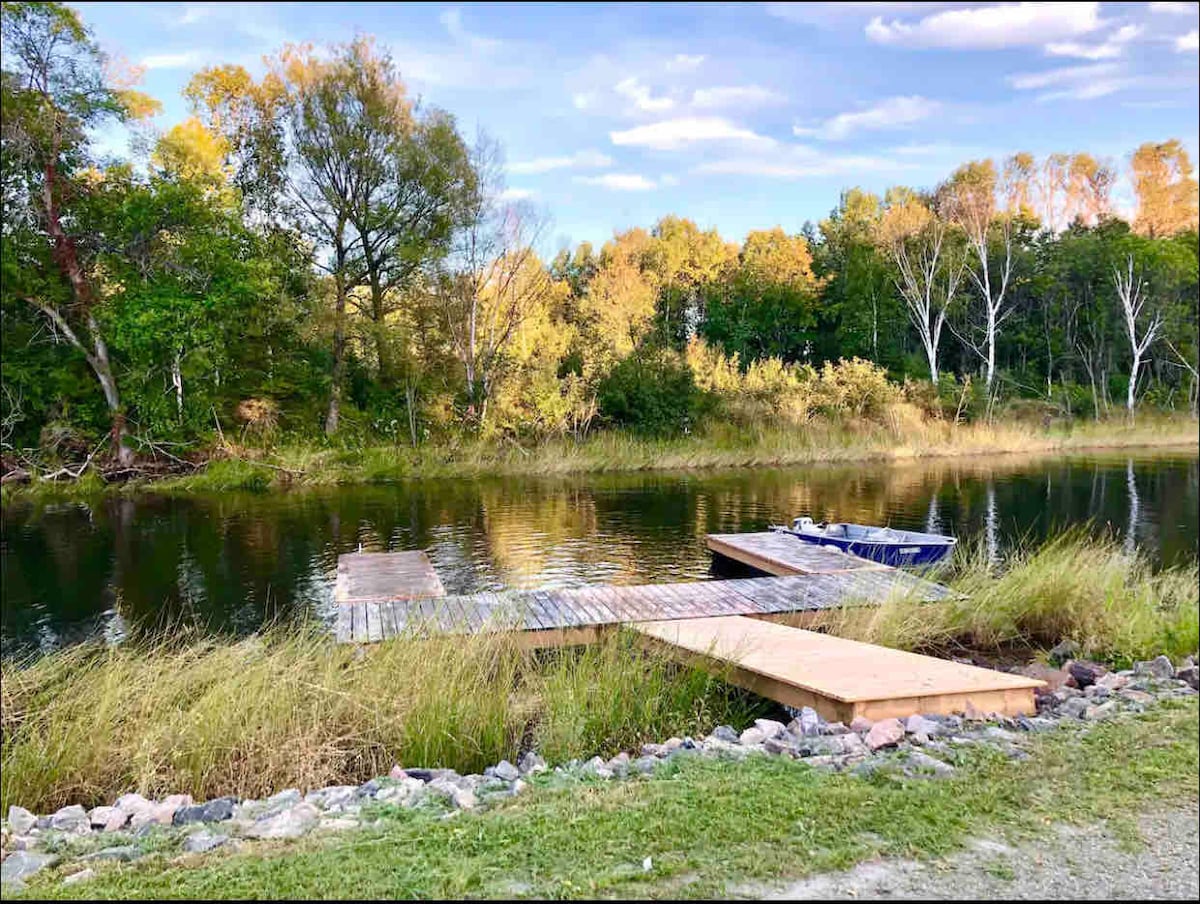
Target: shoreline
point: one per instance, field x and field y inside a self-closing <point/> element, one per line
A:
<point x="616" y="453"/>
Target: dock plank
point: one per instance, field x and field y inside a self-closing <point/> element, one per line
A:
<point x="781" y="554"/>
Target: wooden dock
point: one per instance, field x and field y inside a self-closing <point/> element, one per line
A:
<point x="778" y="553"/>
<point x="839" y="678"/>
<point x="555" y="617"/>
<point x="748" y="630"/>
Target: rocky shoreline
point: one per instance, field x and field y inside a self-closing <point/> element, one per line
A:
<point x="919" y="747"/>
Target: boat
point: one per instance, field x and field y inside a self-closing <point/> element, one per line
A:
<point x="898" y="548"/>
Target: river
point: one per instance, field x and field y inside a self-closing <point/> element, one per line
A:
<point x="231" y="562"/>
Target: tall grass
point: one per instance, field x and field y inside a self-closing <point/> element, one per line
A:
<point x="211" y="717"/>
<point x="1110" y="602"/>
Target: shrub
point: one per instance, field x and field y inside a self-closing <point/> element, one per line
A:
<point x="653" y="393"/>
<point x="856" y="387"/>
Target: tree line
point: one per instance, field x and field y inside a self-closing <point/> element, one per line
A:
<point x="314" y="254"/>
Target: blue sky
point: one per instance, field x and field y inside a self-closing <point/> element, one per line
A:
<point x="738" y="116"/>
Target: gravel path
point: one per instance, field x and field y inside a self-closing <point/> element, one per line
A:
<point x="1071" y="863"/>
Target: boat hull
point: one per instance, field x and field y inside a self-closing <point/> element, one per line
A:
<point x="898" y="555"/>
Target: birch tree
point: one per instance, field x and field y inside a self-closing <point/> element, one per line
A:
<point x="929" y="268"/>
<point x="1141" y="327"/>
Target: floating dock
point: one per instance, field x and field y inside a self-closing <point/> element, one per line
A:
<point x="777" y="553"/>
<point x="749" y="630"/>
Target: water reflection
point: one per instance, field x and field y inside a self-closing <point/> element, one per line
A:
<point x="231" y="562"/>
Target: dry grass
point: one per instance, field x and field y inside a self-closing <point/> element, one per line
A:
<point x="212" y="717"/>
<point x="1091" y="591"/>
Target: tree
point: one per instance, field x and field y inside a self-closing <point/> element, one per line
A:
<point x="1165" y="187"/>
<point x="971" y="196"/>
<point x="54" y="90"/>
<point x="1142" y="331"/>
<point x="490" y="281"/>
<point x="929" y="267"/>
<point x="616" y="309"/>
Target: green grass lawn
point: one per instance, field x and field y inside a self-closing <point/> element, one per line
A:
<point x="705" y="825"/>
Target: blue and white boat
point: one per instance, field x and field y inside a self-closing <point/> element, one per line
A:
<point x="898" y="548"/>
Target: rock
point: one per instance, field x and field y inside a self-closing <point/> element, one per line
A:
<point x="1159" y="667"/>
<point x="73" y="820"/>
<point x="834" y="728"/>
<point x="1096" y="692"/>
<point x="107" y="819"/>
<point x="848" y="744"/>
<point x="1100" y="712"/>
<point x="714" y="746"/>
<point x="1035" y="723"/>
<point x="20" y="820"/>
<point x="785" y="744"/>
<point x="20" y="865"/>
<point x="124" y="852"/>
<point x="919" y="725"/>
<point x="335" y="796"/>
<point x="653" y="750"/>
<point x="1054" y="678"/>
<point x="162" y="814"/>
<point x="519" y="786"/>
<point x="1113" y="681"/>
<point x="645" y="764"/>
<point x="597" y="767"/>
<point x="82" y="876"/>
<point x="923" y="762"/>
<point x="807" y="723"/>
<point x="403" y="793"/>
<point x="672" y="744"/>
<point x="291" y="823"/>
<point x="770" y="728"/>
<point x="885" y="733"/>
<point x="132" y="803"/>
<point x="1085" y="674"/>
<point x="22" y="842"/>
<point x="216" y="810"/>
<point x="531" y="764"/>
<point x="461" y="798"/>
<point x="724" y="733"/>
<point x="1075" y="707"/>
<point x="203" y="841"/>
<point x="861" y="723"/>
<point x="369" y="789"/>
<point x="751" y="736"/>
<point x="996" y="733"/>
<point x="1191" y="675"/>
<point x="506" y="771"/>
<point x="1064" y="651"/>
<point x="397" y="771"/>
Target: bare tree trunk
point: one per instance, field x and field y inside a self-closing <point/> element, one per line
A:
<point x="177" y="382"/>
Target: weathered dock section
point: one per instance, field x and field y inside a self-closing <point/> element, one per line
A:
<point x="839" y="678"/>
<point x="778" y="553"/>
<point x="556" y="617"/>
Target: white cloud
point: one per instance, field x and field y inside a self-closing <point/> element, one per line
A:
<point x="1066" y="75"/>
<point x="990" y="27"/>
<point x="735" y="95"/>
<point x="172" y="60"/>
<point x="578" y="160"/>
<point x="1076" y="82"/>
<point x="583" y="99"/>
<point x="619" y="182"/>
<point x="517" y="194"/>
<point x="641" y="96"/>
<point x="1111" y="48"/>
<point x="451" y="20"/>
<point x="669" y="180"/>
<point x="892" y="113"/>
<point x="684" y="62"/>
<point x="670" y="134"/>
<point x="1189" y="41"/>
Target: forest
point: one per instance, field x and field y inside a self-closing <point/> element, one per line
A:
<point x="314" y="257"/>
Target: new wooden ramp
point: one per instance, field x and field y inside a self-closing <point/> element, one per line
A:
<point x="839" y="678"/>
<point x="778" y="553"/>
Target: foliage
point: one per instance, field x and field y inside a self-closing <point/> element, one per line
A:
<point x="652" y="392"/>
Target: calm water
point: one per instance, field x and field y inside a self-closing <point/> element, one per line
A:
<point x="231" y="562"/>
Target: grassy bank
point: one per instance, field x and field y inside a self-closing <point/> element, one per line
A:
<point x="290" y="709"/>
<point x="719" y="446"/>
<point x="706" y="826"/>
<point x="1110" y="602"/>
